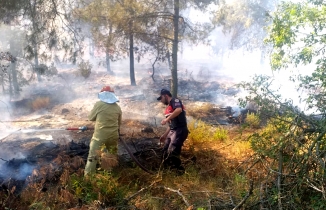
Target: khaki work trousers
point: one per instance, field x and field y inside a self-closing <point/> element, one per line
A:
<point x="95" y="149"/>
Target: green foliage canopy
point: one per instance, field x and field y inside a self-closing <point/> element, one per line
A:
<point x="245" y="21"/>
<point x="298" y="38"/>
<point x="298" y="34"/>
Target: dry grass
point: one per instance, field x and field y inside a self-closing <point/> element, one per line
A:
<point x="207" y="183"/>
<point x="108" y="161"/>
<point x="40" y="103"/>
<point x="202" y="110"/>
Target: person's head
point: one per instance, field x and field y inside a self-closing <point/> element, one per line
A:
<point x="107" y="95"/>
<point x="107" y="88"/>
<point x="165" y="96"/>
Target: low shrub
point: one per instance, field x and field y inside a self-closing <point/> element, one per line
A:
<point x="252" y="120"/>
<point x="220" y="134"/>
<point x="52" y="70"/>
<point x="84" y="69"/>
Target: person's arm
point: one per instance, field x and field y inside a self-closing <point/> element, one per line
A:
<point x="119" y="116"/>
<point x="119" y="122"/>
<point x="92" y="115"/>
<point x="174" y="114"/>
<point x="163" y="137"/>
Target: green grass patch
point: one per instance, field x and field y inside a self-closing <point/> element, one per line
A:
<point x="100" y="186"/>
<point x="202" y="132"/>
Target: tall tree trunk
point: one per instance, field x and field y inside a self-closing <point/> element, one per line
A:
<point x="168" y="55"/>
<point x="14" y="77"/>
<point x="10" y="83"/>
<point x="174" y="70"/>
<point x="13" y="65"/>
<point x="38" y="73"/>
<point x="91" y="48"/>
<point x="108" y="63"/>
<point x="75" y="54"/>
<point x="34" y="39"/>
<point x="3" y="84"/>
<point x="279" y="179"/>
<point x="131" y="56"/>
<point x="153" y="67"/>
<point x="107" y="50"/>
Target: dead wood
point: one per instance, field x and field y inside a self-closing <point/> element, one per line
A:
<point x="246" y="197"/>
<point x="166" y="188"/>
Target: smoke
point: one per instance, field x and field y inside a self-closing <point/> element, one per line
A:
<point x="14" y="165"/>
<point x="16" y="172"/>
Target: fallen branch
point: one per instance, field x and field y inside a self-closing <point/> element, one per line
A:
<point x="246" y="197"/>
<point x="314" y="187"/>
<point x="166" y="188"/>
<point x="178" y="192"/>
<point x="250" y="167"/>
<point x="137" y="193"/>
<point x="207" y="191"/>
<point x="141" y="190"/>
<point x="225" y="146"/>
<point x="232" y="200"/>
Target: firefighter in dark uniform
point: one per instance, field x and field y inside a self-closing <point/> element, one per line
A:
<point x="176" y="133"/>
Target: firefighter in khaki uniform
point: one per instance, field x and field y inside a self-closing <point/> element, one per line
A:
<point x="107" y="116"/>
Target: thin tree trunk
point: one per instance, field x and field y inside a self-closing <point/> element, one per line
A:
<point x="75" y="54"/>
<point x="13" y="62"/>
<point x="131" y="56"/>
<point x="14" y="77"/>
<point x="174" y="70"/>
<point x="107" y="51"/>
<point x="38" y="73"/>
<point x="153" y="68"/>
<point x="34" y="40"/>
<point x="168" y="55"/>
<point x="3" y="82"/>
<point x="108" y="63"/>
<point x="91" y="48"/>
<point x="10" y="83"/>
<point x="279" y="178"/>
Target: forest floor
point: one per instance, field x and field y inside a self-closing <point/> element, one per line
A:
<point x="35" y="142"/>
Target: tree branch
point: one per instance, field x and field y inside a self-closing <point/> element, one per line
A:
<point x="166" y="188"/>
<point x="178" y="192"/>
<point x="246" y="197"/>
